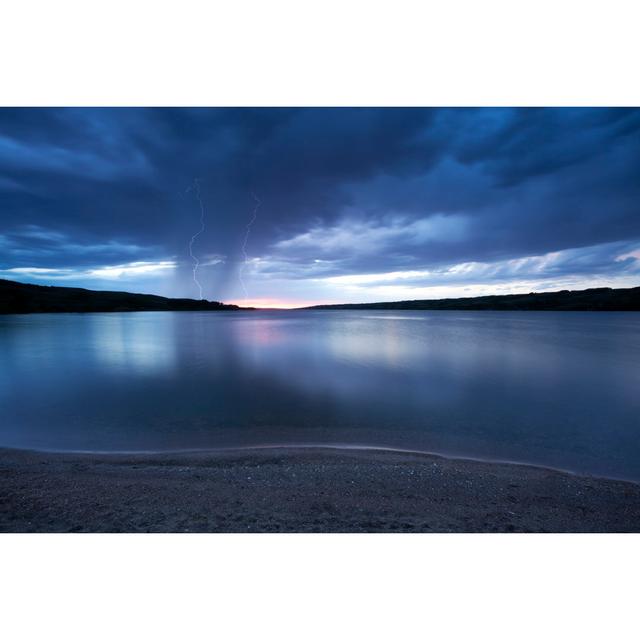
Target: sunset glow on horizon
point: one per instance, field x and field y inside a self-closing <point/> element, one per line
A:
<point x="275" y="303"/>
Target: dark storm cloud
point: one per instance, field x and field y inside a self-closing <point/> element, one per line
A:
<point x="520" y="144"/>
<point x="344" y="192"/>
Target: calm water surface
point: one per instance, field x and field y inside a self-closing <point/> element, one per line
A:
<point x="557" y="389"/>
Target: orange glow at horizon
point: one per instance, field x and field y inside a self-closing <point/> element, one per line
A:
<point x="276" y="303"/>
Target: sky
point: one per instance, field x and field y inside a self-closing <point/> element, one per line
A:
<point x="291" y="207"/>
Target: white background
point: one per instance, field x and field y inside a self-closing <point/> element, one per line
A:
<point x="279" y="52"/>
<point x="318" y="52"/>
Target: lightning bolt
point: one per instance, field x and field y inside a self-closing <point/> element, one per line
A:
<point x="195" y="187"/>
<point x="247" y="233"/>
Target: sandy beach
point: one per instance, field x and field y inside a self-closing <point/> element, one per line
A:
<point x="302" y="490"/>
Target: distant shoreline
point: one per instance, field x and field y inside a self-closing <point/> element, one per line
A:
<point x="20" y="298"/>
<point x="303" y="489"/>
<point x="17" y="298"/>
<point x="600" y="299"/>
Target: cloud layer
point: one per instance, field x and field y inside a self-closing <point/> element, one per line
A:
<point x="357" y="204"/>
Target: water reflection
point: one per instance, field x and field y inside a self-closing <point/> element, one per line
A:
<point x="143" y="346"/>
<point x="547" y="388"/>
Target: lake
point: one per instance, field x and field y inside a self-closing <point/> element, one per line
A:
<point x="560" y="389"/>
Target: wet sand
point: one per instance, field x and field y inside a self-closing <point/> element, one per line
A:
<point x="302" y="490"/>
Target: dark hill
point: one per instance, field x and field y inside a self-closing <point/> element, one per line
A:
<point x="16" y="297"/>
<point x="603" y="299"/>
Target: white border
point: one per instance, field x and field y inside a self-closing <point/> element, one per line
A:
<point x="319" y="586"/>
<point x="319" y="52"/>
